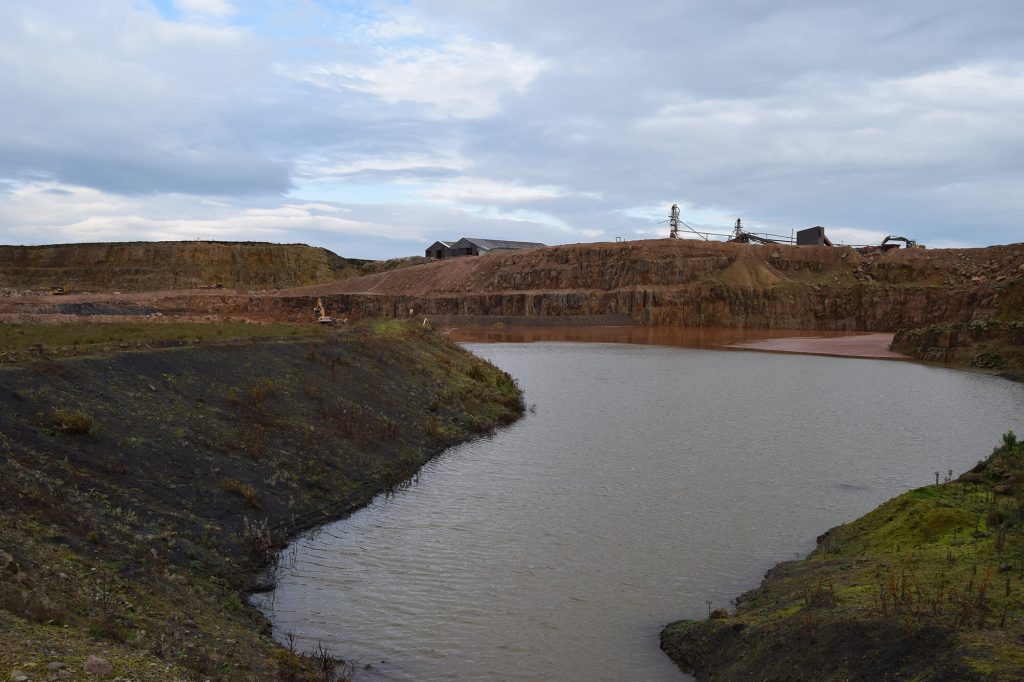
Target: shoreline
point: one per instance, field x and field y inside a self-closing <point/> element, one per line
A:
<point x="865" y="345"/>
<point x="870" y="345"/>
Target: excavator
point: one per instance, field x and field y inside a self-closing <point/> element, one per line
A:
<point x="323" y="318"/>
<point x="910" y="243"/>
<point x="888" y="244"/>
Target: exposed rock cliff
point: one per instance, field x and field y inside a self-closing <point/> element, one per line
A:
<point x="985" y="344"/>
<point x="693" y="283"/>
<point x="656" y="282"/>
<point x="146" y="266"/>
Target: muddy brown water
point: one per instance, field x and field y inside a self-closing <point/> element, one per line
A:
<point x="647" y="482"/>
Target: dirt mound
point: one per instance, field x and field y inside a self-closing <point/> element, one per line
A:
<point x="750" y="272"/>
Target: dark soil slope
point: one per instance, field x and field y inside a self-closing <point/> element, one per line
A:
<point x="143" y="492"/>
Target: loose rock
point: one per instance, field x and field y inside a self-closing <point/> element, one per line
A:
<point x="8" y="564"/>
<point x="97" y="667"/>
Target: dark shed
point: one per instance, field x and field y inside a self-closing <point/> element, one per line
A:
<point x="812" y="236"/>
<point x="440" y="250"/>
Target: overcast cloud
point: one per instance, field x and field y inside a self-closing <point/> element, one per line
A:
<point x="373" y="128"/>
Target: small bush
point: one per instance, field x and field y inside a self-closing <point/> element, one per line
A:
<point x="73" y="421"/>
<point x="259" y="539"/>
<point x="477" y="373"/>
<point x="243" y="490"/>
<point x="261" y="390"/>
<point x="990" y="359"/>
<point x="32" y="605"/>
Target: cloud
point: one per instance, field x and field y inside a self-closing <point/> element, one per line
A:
<point x="479" y="190"/>
<point x="462" y="78"/>
<point x="56" y="213"/>
<point x="42" y="213"/>
<point x="404" y="165"/>
<point x="214" y="8"/>
<point x="423" y="118"/>
<point x="124" y="101"/>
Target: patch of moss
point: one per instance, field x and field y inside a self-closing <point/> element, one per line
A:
<point x="944" y="563"/>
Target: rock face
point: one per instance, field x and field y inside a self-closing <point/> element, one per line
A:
<point x="142" y="266"/>
<point x="694" y="283"/>
<point x="986" y="344"/>
<point x="656" y="282"/>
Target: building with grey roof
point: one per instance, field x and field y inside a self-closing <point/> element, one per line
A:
<point x="472" y="246"/>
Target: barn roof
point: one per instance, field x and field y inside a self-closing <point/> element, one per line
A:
<point x="491" y="244"/>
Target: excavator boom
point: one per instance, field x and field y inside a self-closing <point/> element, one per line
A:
<point x="910" y="243"/>
<point x="324" y="318"/>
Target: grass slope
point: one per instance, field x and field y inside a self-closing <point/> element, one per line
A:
<point x="928" y="586"/>
<point x="143" y="493"/>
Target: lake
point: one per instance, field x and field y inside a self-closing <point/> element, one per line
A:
<point x="645" y="482"/>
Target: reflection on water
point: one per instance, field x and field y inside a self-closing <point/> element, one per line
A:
<point x="649" y="480"/>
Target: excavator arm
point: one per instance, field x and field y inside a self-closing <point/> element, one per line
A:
<point x="910" y="243"/>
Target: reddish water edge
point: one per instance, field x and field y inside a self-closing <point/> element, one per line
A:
<point x="845" y="344"/>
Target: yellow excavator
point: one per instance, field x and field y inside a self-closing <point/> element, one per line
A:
<point x="323" y="318"/>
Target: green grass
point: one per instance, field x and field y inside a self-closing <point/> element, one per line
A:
<point x="391" y="328"/>
<point x="20" y="337"/>
<point x="945" y="558"/>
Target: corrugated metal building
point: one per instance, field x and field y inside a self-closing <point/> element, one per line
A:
<point x="440" y="250"/>
<point x="472" y="246"/>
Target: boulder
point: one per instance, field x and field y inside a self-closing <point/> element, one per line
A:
<point x="7" y="564"/>
<point x="97" y="666"/>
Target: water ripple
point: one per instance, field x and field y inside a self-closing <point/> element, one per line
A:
<point x="649" y="481"/>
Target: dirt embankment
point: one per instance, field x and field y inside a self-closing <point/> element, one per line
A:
<point x="678" y="283"/>
<point x="143" y="492"/>
<point x="148" y="266"/>
<point x="928" y="586"/>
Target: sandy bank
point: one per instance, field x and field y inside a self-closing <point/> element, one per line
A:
<point x="853" y="346"/>
<point x="841" y="344"/>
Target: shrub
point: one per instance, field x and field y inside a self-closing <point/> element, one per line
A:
<point x="477" y="373"/>
<point x="259" y="539"/>
<point x="73" y="421"/>
<point x="243" y="490"/>
<point x="990" y="359"/>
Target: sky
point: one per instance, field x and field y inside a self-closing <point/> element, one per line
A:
<point x="376" y="127"/>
